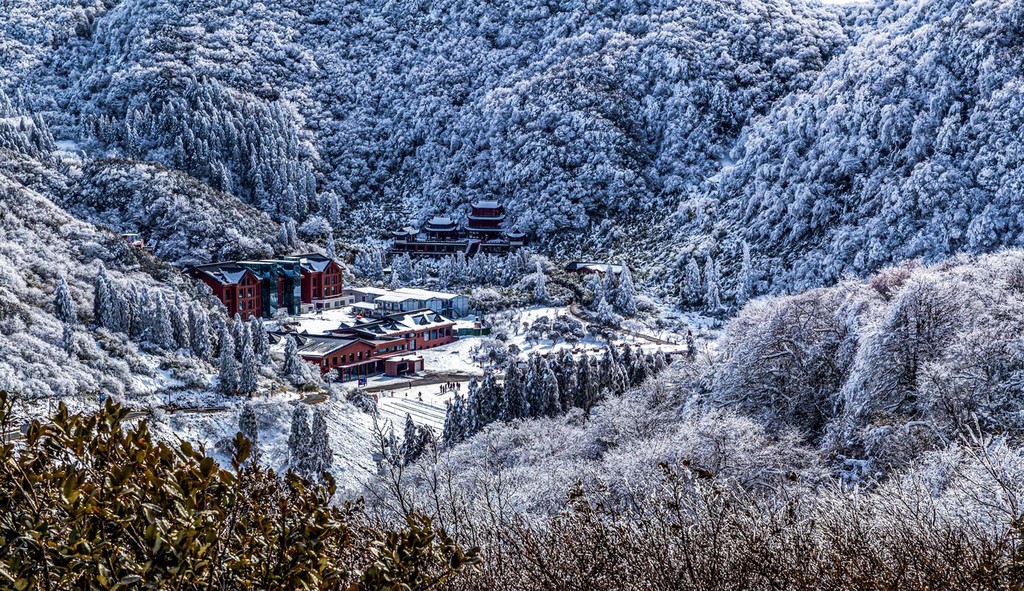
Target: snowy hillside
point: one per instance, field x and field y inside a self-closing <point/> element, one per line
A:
<point x="39" y="245"/>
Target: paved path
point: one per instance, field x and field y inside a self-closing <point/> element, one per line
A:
<point x="581" y="314"/>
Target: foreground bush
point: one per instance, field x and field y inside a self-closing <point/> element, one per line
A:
<point x="88" y="502"/>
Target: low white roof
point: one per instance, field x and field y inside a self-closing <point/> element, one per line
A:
<point x="369" y="290"/>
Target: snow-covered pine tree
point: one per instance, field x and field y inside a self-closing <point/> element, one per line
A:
<point x="712" y="288"/>
<point x="540" y="286"/>
<point x="491" y="403"/>
<point x="516" y="405"/>
<point x="625" y="297"/>
<point x="548" y="385"/>
<point x="228" y="364"/>
<point x="692" y="292"/>
<point x="239" y="334"/>
<point x="63" y="305"/>
<point x="586" y="385"/>
<point x="101" y="297"/>
<point x="321" y="456"/>
<point x="395" y="283"/>
<point x="248" y="374"/>
<point x="299" y="441"/>
<point x="691" y="345"/>
<point x="161" y="332"/>
<point x="471" y="411"/>
<point x="412" y="442"/>
<point x="565" y="370"/>
<point x="605" y="314"/>
<point x="331" y="252"/>
<point x="249" y="427"/>
<point x="292" y="368"/>
<point x="453" y="421"/>
<point x="260" y="342"/>
<point x="610" y="284"/>
<point x="745" y="282"/>
<point x="179" y="324"/>
<point x="199" y="333"/>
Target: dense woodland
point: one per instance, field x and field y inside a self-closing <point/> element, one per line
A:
<point x="838" y="187"/>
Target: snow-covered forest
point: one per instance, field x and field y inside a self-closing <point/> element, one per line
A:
<point x="813" y="208"/>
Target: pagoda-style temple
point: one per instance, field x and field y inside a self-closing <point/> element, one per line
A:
<point x="483" y="231"/>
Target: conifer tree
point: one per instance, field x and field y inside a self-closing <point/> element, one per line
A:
<point x="454" y="421"/>
<point x="491" y="400"/>
<point x="745" y="284"/>
<point x="228" y="363"/>
<point x="248" y="375"/>
<point x="199" y="333"/>
<point x="292" y="361"/>
<point x="179" y="324"/>
<point x="412" y="441"/>
<point x="549" y="395"/>
<point x="63" y="305"/>
<point x="331" y="252"/>
<point x="586" y="386"/>
<point x="625" y="296"/>
<point x="260" y="342"/>
<point x="248" y="426"/>
<point x="540" y="286"/>
<point x="470" y="415"/>
<point x="712" y="291"/>
<point x="299" y="441"/>
<point x="101" y="297"/>
<point x="693" y="294"/>
<point x="565" y="370"/>
<point x="161" y="332"/>
<point x="321" y="456"/>
<point x="516" y="405"/>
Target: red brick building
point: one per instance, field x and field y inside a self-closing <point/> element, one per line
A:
<point x="238" y="288"/>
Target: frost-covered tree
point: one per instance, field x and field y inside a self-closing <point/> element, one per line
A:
<point x="300" y="441"/>
<point x="63" y="305"/>
<point x="248" y="425"/>
<point x="101" y="298"/>
<point x="260" y="342"/>
<point x="516" y="404"/>
<point x="199" y="333"/>
<point x="745" y="281"/>
<point x="161" y="331"/>
<point x="330" y="251"/>
<point x="292" y="367"/>
<point x="179" y="324"/>
<point x="712" y="286"/>
<point x="625" y="296"/>
<point x="540" y="286"/>
<point x="693" y="286"/>
<point x="228" y="363"/>
<point x="321" y="456"/>
<point x="247" y="374"/>
<point x="605" y="313"/>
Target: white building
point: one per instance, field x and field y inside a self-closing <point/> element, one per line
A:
<point x="388" y="301"/>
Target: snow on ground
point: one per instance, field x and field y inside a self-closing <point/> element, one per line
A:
<point x="319" y="323"/>
<point x="350" y="431"/>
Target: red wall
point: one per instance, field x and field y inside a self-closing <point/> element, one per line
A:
<point x="319" y="286"/>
